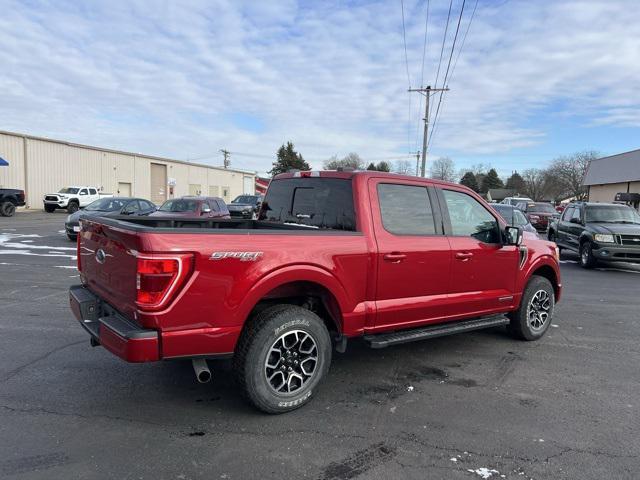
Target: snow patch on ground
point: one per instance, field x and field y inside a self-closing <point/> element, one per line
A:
<point x="20" y="244"/>
<point x="484" y="472"/>
<point x="64" y="266"/>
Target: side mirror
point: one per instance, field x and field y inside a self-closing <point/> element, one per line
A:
<point x="513" y="235"/>
<point x="205" y="209"/>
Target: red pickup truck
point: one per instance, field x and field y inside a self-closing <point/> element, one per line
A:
<point x="332" y="255"/>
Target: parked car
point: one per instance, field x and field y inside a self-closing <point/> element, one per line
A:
<point x="72" y="198"/>
<point x="245" y="206"/>
<point x="193" y="207"/>
<point x="10" y="198"/>
<point x="107" y="207"/>
<point x="538" y="214"/>
<point x="333" y="255"/>
<point x="515" y="200"/>
<point x="514" y="216"/>
<point x="599" y="232"/>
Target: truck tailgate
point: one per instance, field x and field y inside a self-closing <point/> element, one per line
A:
<point x="107" y="262"/>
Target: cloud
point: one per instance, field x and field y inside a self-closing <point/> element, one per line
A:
<point x="186" y="79"/>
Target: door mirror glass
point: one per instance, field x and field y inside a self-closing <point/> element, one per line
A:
<point x="513" y="235"/>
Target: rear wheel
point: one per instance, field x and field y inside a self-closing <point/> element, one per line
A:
<point x="533" y="317"/>
<point x="587" y="260"/>
<point x="7" y="209"/>
<point x="73" y="238"/>
<point x="281" y="358"/>
<point x="73" y="207"/>
<point x="49" y="208"/>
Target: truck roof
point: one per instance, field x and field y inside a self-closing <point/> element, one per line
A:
<point x="361" y="173"/>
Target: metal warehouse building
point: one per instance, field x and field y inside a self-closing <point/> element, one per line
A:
<point x="615" y="178"/>
<point x="41" y="165"/>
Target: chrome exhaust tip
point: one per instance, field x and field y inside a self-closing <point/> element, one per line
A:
<point x="201" y="369"/>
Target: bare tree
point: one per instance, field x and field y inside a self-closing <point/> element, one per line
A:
<point x="405" y="167"/>
<point x="444" y="168"/>
<point x="569" y="172"/>
<point x="535" y="183"/>
<point x="352" y="160"/>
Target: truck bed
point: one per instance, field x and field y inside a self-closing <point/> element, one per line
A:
<point x="205" y="225"/>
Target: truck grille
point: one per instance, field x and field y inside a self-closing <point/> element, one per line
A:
<point x="630" y="240"/>
<point x="51" y="198"/>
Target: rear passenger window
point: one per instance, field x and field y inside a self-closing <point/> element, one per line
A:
<point x="405" y="209"/>
<point x="93" y="191"/>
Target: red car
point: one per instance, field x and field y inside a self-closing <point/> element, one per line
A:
<point x="332" y="256"/>
<point x="193" y="207"/>
<point x="539" y="214"/>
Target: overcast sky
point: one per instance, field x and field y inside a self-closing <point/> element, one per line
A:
<point x="535" y="79"/>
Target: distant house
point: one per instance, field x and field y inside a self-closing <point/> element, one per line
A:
<point x="615" y="178"/>
<point x="499" y="194"/>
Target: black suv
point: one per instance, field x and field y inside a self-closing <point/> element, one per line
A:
<point x="606" y="232"/>
<point x="10" y="198"/>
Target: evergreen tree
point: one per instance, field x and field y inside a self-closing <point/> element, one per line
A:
<point x="372" y="167"/>
<point x="492" y="180"/>
<point x="383" y="167"/>
<point x="287" y="159"/>
<point x="469" y="180"/>
<point x="516" y="183"/>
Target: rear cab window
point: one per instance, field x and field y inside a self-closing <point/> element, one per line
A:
<point x="324" y="203"/>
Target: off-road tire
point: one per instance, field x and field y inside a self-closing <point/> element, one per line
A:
<point x="260" y="335"/>
<point x="7" y="209"/>
<point x="73" y="207"/>
<point x="49" y="208"/>
<point x="587" y="260"/>
<point x="522" y="323"/>
<point x="73" y="238"/>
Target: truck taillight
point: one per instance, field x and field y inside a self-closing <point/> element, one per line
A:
<point x="158" y="278"/>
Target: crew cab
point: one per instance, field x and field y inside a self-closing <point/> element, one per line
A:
<point x="10" y="198"/>
<point x="598" y="232"/>
<point x="333" y="255"/>
<point x="72" y="198"/>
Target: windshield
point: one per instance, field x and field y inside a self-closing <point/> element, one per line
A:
<point x="541" y="208"/>
<point x="105" y="205"/>
<point x="245" y="199"/>
<point x="314" y="202"/>
<point x="179" y="205"/>
<point x="612" y="214"/>
<point x="72" y="191"/>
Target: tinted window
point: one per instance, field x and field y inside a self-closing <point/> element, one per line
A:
<point x="250" y="199"/>
<point x="132" y="207"/>
<point x="541" y="208"/>
<point x="222" y="205"/>
<point x="93" y="191"/>
<point x="576" y="214"/>
<point x="179" y="205"/>
<point x="83" y="191"/>
<point x="566" y="215"/>
<point x="518" y="218"/>
<point x="72" y="191"/>
<point x="405" y="209"/>
<point x="146" y="205"/>
<point x="469" y="218"/>
<point x="316" y="202"/>
<point x="105" y="205"/>
<point x="214" y="205"/>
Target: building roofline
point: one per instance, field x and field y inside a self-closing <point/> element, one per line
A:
<point x="616" y="155"/>
<point x="122" y="152"/>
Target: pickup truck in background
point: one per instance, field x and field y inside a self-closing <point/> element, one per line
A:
<point x="598" y="232"/>
<point x="10" y="198"/>
<point x="72" y="198"/>
<point x="333" y="255"/>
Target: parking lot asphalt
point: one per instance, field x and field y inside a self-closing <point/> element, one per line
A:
<point x="477" y="405"/>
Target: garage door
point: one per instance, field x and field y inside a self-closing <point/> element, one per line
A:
<point x="158" y="183"/>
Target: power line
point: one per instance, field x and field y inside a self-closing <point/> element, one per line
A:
<point x="444" y="38"/>
<point x="404" y="39"/>
<point x="446" y="75"/>
<point x="424" y="53"/>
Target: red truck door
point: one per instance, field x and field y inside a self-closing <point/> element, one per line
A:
<point x="483" y="271"/>
<point x="413" y="258"/>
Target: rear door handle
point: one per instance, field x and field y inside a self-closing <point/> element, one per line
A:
<point x="464" y="256"/>
<point x="394" y="257"/>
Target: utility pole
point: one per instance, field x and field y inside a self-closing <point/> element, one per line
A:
<point x="226" y="154"/>
<point x="417" y="154"/>
<point x="427" y="92"/>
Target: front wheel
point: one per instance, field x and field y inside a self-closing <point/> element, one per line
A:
<point x="7" y="209"/>
<point x="73" y="208"/>
<point x="587" y="260"/>
<point x="533" y="317"/>
<point x="281" y="358"/>
<point x="49" y="208"/>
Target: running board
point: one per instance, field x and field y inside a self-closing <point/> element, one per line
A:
<point x="383" y="340"/>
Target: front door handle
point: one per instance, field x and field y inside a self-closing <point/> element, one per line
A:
<point x="464" y="256"/>
<point x="394" y="257"/>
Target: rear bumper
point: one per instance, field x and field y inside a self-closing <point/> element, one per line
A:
<point x="111" y="330"/>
